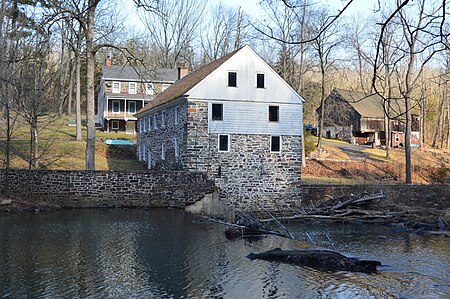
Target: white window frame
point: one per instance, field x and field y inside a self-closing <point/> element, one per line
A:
<point x="164" y="86"/>
<point x="112" y="106"/>
<point x="175" y="147"/>
<point x="281" y="143"/>
<point x="114" y="89"/>
<point x="129" y="106"/>
<point x="115" y="122"/>
<point x="155" y="124"/>
<point x="132" y="90"/>
<point x="144" y="156"/>
<point x="256" y="78"/>
<point x="149" y="123"/>
<point x="218" y="143"/>
<point x="175" y="113"/>
<point x="149" y="158"/>
<point x="163" y="119"/>
<point x="145" y="124"/>
<point x="163" y="151"/>
<point x="149" y="89"/>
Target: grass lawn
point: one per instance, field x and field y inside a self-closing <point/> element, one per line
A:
<point x="60" y="150"/>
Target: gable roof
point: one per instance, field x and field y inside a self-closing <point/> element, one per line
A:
<point x="369" y="105"/>
<point x="186" y="83"/>
<point x="116" y="72"/>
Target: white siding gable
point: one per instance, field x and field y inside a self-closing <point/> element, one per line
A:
<point x="246" y="107"/>
<point x="247" y="64"/>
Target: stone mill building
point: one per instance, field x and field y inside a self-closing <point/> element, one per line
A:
<point x="235" y="119"/>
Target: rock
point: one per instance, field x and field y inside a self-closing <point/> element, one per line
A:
<point x="324" y="260"/>
<point x="6" y="202"/>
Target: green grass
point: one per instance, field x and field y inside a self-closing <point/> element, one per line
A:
<point x="338" y="181"/>
<point x="62" y="151"/>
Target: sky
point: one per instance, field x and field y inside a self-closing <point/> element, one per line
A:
<point x="358" y="7"/>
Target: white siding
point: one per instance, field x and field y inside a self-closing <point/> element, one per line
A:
<point x="247" y="64"/>
<point x="253" y="118"/>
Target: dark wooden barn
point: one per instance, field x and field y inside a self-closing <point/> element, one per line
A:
<point x="354" y="117"/>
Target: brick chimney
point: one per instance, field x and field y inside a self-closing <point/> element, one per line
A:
<point x="108" y="61"/>
<point x="183" y="70"/>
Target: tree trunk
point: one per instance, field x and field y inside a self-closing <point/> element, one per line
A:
<point x="90" y="75"/>
<point x="322" y="108"/>
<point x="78" y="95"/>
<point x="62" y="77"/>
<point x="72" y="74"/>
<point x="439" y="119"/>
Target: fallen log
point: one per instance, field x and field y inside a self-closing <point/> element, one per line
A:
<point x="323" y="260"/>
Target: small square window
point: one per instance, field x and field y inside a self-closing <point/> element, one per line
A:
<point x="115" y="125"/>
<point x="232" y="79"/>
<point x="275" y="144"/>
<point x="116" y="106"/>
<point x="217" y="112"/>
<point x="274" y="113"/>
<point x="260" y="81"/>
<point x="224" y="144"/>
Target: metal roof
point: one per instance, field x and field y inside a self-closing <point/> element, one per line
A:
<point x="116" y="72"/>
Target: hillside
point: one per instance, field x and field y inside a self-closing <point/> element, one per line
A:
<point x="334" y="165"/>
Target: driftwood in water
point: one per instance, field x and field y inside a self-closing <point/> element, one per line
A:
<point x="324" y="260"/>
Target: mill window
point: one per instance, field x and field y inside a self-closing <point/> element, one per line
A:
<point x="274" y="113"/>
<point x="275" y="144"/>
<point x="224" y="143"/>
<point x="232" y="79"/>
<point x="217" y="112"/>
<point x="260" y="81"/>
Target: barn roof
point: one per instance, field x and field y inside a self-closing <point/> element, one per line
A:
<point x="369" y="105"/>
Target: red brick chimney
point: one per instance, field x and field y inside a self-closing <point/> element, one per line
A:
<point x="108" y="61"/>
<point x="182" y="71"/>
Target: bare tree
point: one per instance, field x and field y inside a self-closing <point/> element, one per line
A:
<point x="172" y="26"/>
<point x="324" y="47"/>
<point x="420" y="24"/>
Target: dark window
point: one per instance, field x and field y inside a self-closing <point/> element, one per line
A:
<point x="260" y="81"/>
<point x="223" y="143"/>
<point x="232" y="79"/>
<point x="115" y="125"/>
<point x="274" y="113"/>
<point x="217" y="111"/>
<point x="275" y="144"/>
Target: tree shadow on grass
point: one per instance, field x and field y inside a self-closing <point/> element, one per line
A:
<point x="123" y="158"/>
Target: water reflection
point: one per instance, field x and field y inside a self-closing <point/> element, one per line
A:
<point x="164" y="254"/>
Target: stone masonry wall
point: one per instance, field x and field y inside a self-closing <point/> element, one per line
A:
<point x="249" y="172"/>
<point x="155" y="138"/>
<point x="109" y="188"/>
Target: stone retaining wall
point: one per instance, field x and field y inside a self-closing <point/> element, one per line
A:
<point x="109" y="188"/>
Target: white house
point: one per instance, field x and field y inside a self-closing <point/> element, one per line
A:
<point x="235" y="119"/>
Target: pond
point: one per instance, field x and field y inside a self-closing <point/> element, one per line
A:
<point x="165" y="253"/>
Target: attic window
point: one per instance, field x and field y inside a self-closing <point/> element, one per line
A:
<point x="217" y="112"/>
<point x="260" y="81"/>
<point x="274" y="113"/>
<point x="232" y="79"/>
